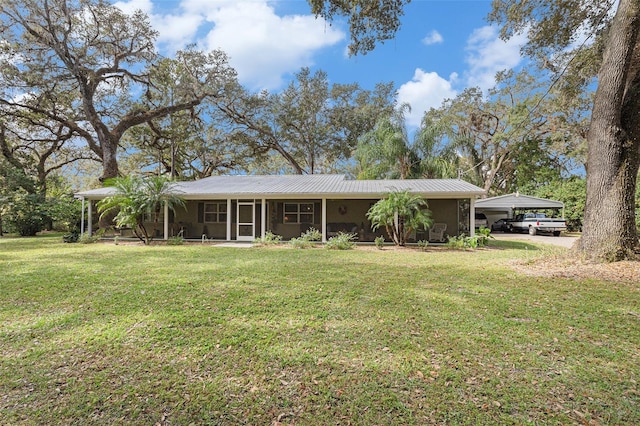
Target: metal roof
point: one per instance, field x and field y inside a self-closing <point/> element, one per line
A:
<point x="517" y="201"/>
<point x="291" y="186"/>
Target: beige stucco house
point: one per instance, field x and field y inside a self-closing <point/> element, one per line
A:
<point x="242" y="208"/>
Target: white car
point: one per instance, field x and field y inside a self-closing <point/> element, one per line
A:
<point x="481" y="220"/>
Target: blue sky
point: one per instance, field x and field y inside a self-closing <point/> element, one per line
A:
<point x="443" y="45"/>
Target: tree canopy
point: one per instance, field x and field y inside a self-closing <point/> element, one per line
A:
<point x="510" y="136"/>
<point x="614" y="133"/>
<point x="387" y="151"/>
<point x="93" y="69"/>
<point x="370" y="21"/>
<point x="312" y="125"/>
<point x="575" y="39"/>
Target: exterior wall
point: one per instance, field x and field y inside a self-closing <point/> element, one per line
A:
<point x="194" y="227"/>
<point x="445" y="211"/>
<point x="341" y="215"/>
<point x="155" y="230"/>
<point x="351" y="216"/>
<point x="277" y="223"/>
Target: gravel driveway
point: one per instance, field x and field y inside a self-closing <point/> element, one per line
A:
<point x="561" y="241"/>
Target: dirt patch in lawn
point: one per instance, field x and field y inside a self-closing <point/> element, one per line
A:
<point x="572" y="268"/>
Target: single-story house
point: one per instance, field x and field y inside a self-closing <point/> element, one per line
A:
<point x="505" y="206"/>
<point x="242" y="208"/>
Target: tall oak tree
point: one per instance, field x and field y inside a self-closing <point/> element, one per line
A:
<point x="91" y="52"/>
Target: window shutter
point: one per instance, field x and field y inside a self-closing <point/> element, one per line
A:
<point x="200" y="212"/>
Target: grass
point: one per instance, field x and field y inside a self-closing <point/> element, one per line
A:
<point x="195" y="334"/>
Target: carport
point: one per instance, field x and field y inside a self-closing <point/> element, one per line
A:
<point x="505" y="206"/>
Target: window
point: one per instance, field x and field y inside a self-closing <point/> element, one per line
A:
<point x="298" y="213"/>
<point x="215" y="212"/>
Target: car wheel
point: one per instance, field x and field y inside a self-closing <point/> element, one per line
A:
<point x="556" y="233"/>
<point x="532" y="230"/>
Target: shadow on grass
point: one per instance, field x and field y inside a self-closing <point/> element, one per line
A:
<point x="513" y="245"/>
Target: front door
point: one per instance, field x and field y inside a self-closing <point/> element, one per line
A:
<point x="246" y="220"/>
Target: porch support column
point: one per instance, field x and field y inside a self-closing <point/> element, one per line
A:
<point x="472" y="217"/>
<point x="166" y="220"/>
<point x="228" y="219"/>
<point x="263" y="219"/>
<point x="324" y="220"/>
<point x="89" y="219"/>
<point x="82" y="219"/>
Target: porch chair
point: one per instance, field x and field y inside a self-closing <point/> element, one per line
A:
<point x="436" y="232"/>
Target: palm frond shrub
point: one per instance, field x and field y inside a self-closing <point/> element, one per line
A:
<point x="137" y="198"/>
<point x="401" y="214"/>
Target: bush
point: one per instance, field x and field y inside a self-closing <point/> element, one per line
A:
<point x="306" y="239"/>
<point x="65" y="211"/>
<point x="483" y="235"/>
<point x="471" y="242"/>
<point x="465" y="242"/>
<point x="175" y="241"/>
<point x="379" y="242"/>
<point x="88" y="239"/>
<point x="25" y="214"/>
<point x="28" y="214"/>
<point x="71" y="237"/>
<point x="269" y="239"/>
<point x="423" y="244"/>
<point x="312" y="234"/>
<point x="300" y="243"/>
<point x="456" y="243"/>
<point x="342" y="241"/>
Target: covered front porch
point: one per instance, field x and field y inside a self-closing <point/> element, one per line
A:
<point x="245" y="219"/>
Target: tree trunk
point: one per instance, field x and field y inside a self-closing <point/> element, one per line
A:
<point x="109" y="161"/>
<point x="609" y="232"/>
<point x="109" y="170"/>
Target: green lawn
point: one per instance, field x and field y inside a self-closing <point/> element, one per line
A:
<point x="196" y="334"/>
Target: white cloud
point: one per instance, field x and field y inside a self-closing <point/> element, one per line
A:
<point x="131" y="6"/>
<point x="434" y="37"/>
<point x="488" y="54"/>
<point x="262" y="46"/>
<point x="426" y="90"/>
<point x="175" y="31"/>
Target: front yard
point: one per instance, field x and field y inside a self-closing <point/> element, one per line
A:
<point x="127" y="334"/>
